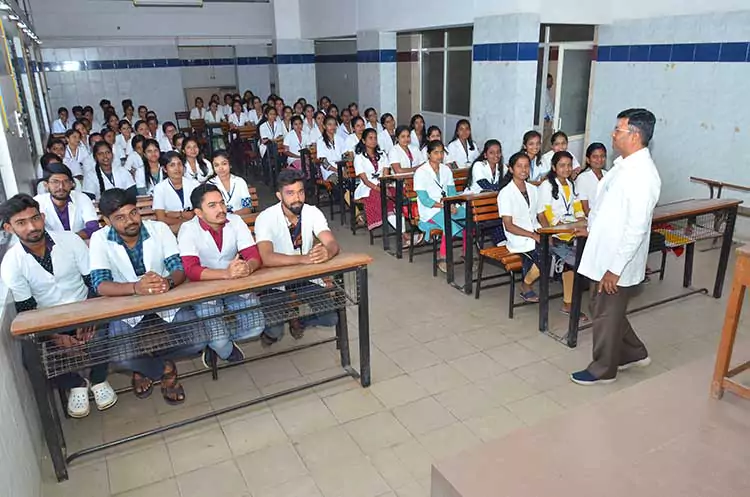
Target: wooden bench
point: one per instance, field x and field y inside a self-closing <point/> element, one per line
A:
<point x="183" y="116"/>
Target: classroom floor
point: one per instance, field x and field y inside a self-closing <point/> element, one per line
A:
<point x="449" y="372"/>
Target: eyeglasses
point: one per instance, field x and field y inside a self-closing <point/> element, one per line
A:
<point x="621" y="129"/>
<point x="54" y="182"/>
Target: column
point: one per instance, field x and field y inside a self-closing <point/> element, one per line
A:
<point x="293" y="69"/>
<point x="376" y="71"/>
<point x="503" y="78"/>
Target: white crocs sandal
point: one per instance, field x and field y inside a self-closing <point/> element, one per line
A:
<point x="104" y="395"/>
<point x="78" y="401"/>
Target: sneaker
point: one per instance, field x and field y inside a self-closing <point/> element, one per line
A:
<point x="104" y="395"/>
<point x="586" y="379"/>
<point x="267" y="340"/>
<point x="642" y="363"/>
<point x="236" y="355"/>
<point x="206" y="357"/>
<point x="78" y="401"/>
<point x="442" y="266"/>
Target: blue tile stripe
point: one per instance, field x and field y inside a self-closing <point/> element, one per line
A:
<point x="376" y="56"/>
<point x="514" y="51"/>
<point x="285" y="59"/>
<point x="101" y="65"/>
<point x="678" y="52"/>
<point x="336" y="58"/>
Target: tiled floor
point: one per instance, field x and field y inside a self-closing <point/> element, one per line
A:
<point x="449" y="372"/>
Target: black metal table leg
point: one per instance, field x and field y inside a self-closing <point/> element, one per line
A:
<point x="726" y="245"/>
<point x="364" y="327"/>
<point x="384" y="212"/>
<point x="575" y="306"/>
<point x="342" y="187"/>
<point x="342" y="334"/>
<point x="448" y="238"/>
<point x="399" y="201"/>
<point x="469" y="254"/>
<point x="543" y="282"/>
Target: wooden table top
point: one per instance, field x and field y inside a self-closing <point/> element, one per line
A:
<point x="108" y="308"/>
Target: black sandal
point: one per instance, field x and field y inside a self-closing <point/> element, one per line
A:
<point x="296" y="329"/>
<point x="171" y="390"/>
<point x="138" y="384"/>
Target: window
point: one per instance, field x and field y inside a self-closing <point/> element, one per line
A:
<point x="446" y="71"/>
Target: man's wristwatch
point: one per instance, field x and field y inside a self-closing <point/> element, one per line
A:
<point x="171" y="282"/>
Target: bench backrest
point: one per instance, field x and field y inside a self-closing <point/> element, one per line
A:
<point x="484" y="209"/>
<point x="460" y="178"/>
<point x="250" y="221"/>
<point x="255" y="202"/>
<point x="247" y="132"/>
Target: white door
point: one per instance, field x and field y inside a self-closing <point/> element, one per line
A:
<point x="572" y="93"/>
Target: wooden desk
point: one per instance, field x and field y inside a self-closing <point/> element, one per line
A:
<point x="718" y="185"/>
<point x="398" y="200"/>
<point x="31" y="326"/>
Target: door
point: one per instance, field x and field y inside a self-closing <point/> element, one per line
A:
<point x="572" y="93"/>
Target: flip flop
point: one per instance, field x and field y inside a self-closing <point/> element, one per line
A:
<point x="143" y="380"/>
<point x="581" y="317"/>
<point x="529" y="297"/>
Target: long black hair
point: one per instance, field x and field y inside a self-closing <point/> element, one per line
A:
<point x="327" y="140"/>
<point x="483" y="157"/>
<point x="97" y="167"/>
<point x="400" y="129"/>
<point x="552" y="174"/>
<point x="511" y="164"/>
<point x="590" y="150"/>
<point x="217" y="154"/>
<point x="469" y="140"/>
<point x="266" y="109"/>
<point x="146" y="169"/>
<point x="200" y="160"/>
<point x="427" y="133"/>
<point x="527" y="138"/>
<point x="362" y="149"/>
<point x="556" y="135"/>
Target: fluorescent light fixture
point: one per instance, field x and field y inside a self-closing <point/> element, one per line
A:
<point x="21" y="25"/>
<point x="13" y="17"/>
<point x="5" y="6"/>
<point x="168" y="3"/>
<point x="71" y="65"/>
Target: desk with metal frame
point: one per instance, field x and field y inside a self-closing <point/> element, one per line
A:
<point x="398" y="200"/>
<point x="346" y="286"/>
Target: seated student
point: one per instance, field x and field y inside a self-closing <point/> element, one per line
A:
<point x="64" y="208"/>
<point x="318" y="129"/>
<point x="105" y="175"/>
<point x="255" y="115"/>
<point x="418" y="131"/>
<point x="216" y="245"/>
<point x="228" y="106"/>
<point x="129" y="113"/>
<point x="168" y="131"/>
<point x="113" y="122"/>
<point x="142" y="111"/>
<point x="154" y="130"/>
<point x="329" y="150"/>
<point x="90" y="161"/>
<point x="517" y="206"/>
<point x="233" y="188"/>
<point x="124" y="142"/>
<point x="371" y="118"/>
<point x="404" y="156"/>
<point x="75" y="153"/>
<point x="432" y="182"/>
<point x="44" y="163"/>
<point x="387" y="137"/>
<point x="532" y="147"/>
<point x="358" y="127"/>
<point x="433" y="133"/>
<point x="559" y="202"/>
<point x="108" y="136"/>
<point x="345" y="128"/>
<point x="177" y="140"/>
<point x="294" y="142"/>
<point x="324" y="103"/>
<point x="299" y="108"/>
<point x="198" y="112"/>
<point x="462" y="149"/>
<point x="88" y="114"/>
<point x="83" y="131"/>
<point x="62" y="123"/>
<point x="141" y="128"/>
<point x="134" y="256"/>
<point x="487" y="170"/>
<point x="105" y="105"/>
<point x="196" y="166"/>
<point x="135" y="157"/>
<point x="308" y="121"/>
<point x="269" y="129"/>
<point x="333" y="111"/>
<point x="151" y="173"/>
<point x="213" y="115"/>
<point x="354" y="109"/>
<point x="56" y="148"/>
<point x="559" y="142"/>
<point x="588" y="179"/>
<point x="237" y="117"/>
<point x="171" y="202"/>
<point x="47" y="269"/>
<point x="286" y="121"/>
<point x="77" y="112"/>
<point x="292" y="233"/>
<point x="247" y="100"/>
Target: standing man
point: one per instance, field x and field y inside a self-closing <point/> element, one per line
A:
<point x="548" y="103"/>
<point x="617" y="248"/>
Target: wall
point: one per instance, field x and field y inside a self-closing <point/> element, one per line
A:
<point x="253" y="77"/>
<point x="20" y="434"/>
<point x="328" y="18"/>
<point x="336" y="70"/>
<point x="221" y="72"/>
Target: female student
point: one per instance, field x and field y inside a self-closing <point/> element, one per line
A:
<point x="345" y="129"/>
<point x="141" y="128"/>
<point x="387" y="137"/>
<point x="286" y="123"/>
<point x="177" y="140"/>
<point x="104" y="176"/>
<point x="532" y="146"/>
<point x="487" y="170"/>
<point x="559" y="142"/>
<point x="247" y="100"/>
<point x="255" y="114"/>
<point x="270" y="130"/>
<point x="517" y="206"/>
<point x="237" y="118"/>
<point x="228" y="106"/>
<point x="404" y="156"/>
<point x="316" y="133"/>
<point x="109" y="136"/>
<point x="560" y="203"/>
<point x="151" y="174"/>
<point x="353" y="109"/>
<point x="83" y="133"/>
<point x="172" y="196"/>
<point x="293" y="142"/>
<point x="129" y="114"/>
<point x="333" y="111"/>
<point x="142" y="111"/>
<point x="113" y="122"/>
<point x="233" y="188"/>
<point x="358" y="127"/>
<point x="196" y="167"/>
<point x="213" y="115"/>
<point x="462" y="149"/>
<point x="371" y="120"/>
<point x="433" y="181"/>
<point x="134" y="160"/>
<point x="433" y="133"/>
<point x="587" y="182"/>
<point x="324" y="103"/>
<point x="418" y="133"/>
<point x="123" y="145"/>
<point x="198" y="112"/>
<point x="329" y="148"/>
<point x="75" y="153"/>
<point x="299" y="108"/>
<point x="308" y="122"/>
<point x="279" y="106"/>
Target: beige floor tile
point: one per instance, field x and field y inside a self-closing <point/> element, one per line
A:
<point x="398" y="391"/>
<point x="533" y="409"/>
<point x="304" y="417"/>
<point x="237" y="398"/>
<point x="448" y="440"/>
<point x="439" y="378"/>
<point x="273" y="370"/>
<point x="283" y="385"/>
<point x="494" y="425"/>
<point x="390" y="467"/>
<point x="333" y="387"/>
<point x="164" y="488"/>
<point x="451" y="347"/>
<point x="513" y="355"/>
<point x="571" y="395"/>
<point x="91" y="480"/>
<point x="223" y="479"/>
<point x="413" y="489"/>
<point x="377" y="431"/>
<point x="353" y="404"/>
<point x="572" y="359"/>
<point x="205" y="448"/>
<point x="423" y="415"/>
<point x="270" y="467"/>
<point x="194" y="394"/>
<point x="139" y="468"/>
<point x="303" y="486"/>
<point x="382" y="365"/>
<point x="414" y="358"/>
<point x="392" y="341"/>
<point x="187" y="413"/>
<point x="253" y="432"/>
<point x="477" y="366"/>
<point x="231" y="381"/>
<point x="434" y="330"/>
<point x="315" y="359"/>
<point x="466" y="401"/>
<point x="542" y="375"/>
<point x="358" y="479"/>
<point x="484" y="339"/>
<point x="329" y="446"/>
<point x="506" y="388"/>
<point x="545" y="346"/>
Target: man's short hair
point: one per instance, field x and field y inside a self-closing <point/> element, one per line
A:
<point x="166" y="125"/>
<point x="196" y="197"/>
<point x="115" y="199"/>
<point x="289" y="177"/>
<point x="61" y="110"/>
<point x="15" y="204"/>
<point x="57" y="168"/>
<point x="49" y="158"/>
<point x="643" y="120"/>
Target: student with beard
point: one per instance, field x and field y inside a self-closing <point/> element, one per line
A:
<point x="66" y="209"/>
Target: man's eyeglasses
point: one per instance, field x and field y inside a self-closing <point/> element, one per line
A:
<point x="624" y="130"/>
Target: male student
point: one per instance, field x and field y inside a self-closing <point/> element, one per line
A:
<point x="217" y="245"/>
<point x="62" y="123"/>
<point x="47" y="269"/>
<point x="287" y="235"/>
<point x="131" y="256"/>
<point x="64" y="208"/>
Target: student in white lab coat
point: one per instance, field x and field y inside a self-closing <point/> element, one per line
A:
<point x="299" y="108"/>
<point x="198" y="112"/>
<point x="418" y="131"/>
<point x="532" y="147"/>
<point x="358" y="127"/>
<point x="233" y="189"/>
<point x="62" y="123"/>
<point x="286" y="122"/>
<point x="129" y="114"/>
<point x="123" y="142"/>
<point x="293" y="142"/>
<point x="228" y="106"/>
<point x="269" y="129"/>
<point x="150" y="173"/>
<point x="213" y="115"/>
<point x="168" y="131"/>
<point x="387" y="137"/>
<point x="105" y="175"/>
<point x="345" y="128"/>
<point x="324" y="103"/>
<point x="404" y="156"/>
<point x="154" y="130"/>
<point x="333" y="111"/>
<point x="247" y="101"/>
<point x="141" y="128"/>
<point x="487" y="171"/>
<point x="433" y="133"/>
<point x="354" y="109"/>
<point x="75" y="153"/>
<point x="559" y="142"/>
<point x="316" y="133"/>
<point x="371" y="120"/>
<point x="330" y="149"/>
<point x="593" y="172"/>
<point x="196" y="166"/>
<point x="255" y="115"/>
<point x="462" y="149"/>
<point x="171" y="202"/>
<point x="66" y="209"/>
<point x="237" y="118"/>
<point x="113" y="122"/>
<point x="518" y="207"/>
<point x="308" y="121"/>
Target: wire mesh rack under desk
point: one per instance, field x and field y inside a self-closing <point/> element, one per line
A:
<point x="684" y="231"/>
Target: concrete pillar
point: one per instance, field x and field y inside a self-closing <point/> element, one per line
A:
<point x="376" y="71"/>
<point x="293" y="68"/>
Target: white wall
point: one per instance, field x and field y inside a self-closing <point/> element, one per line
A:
<point x="328" y="18"/>
<point x="337" y="80"/>
<point x="207" y="76"/>
<point x="256" y="78"/>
